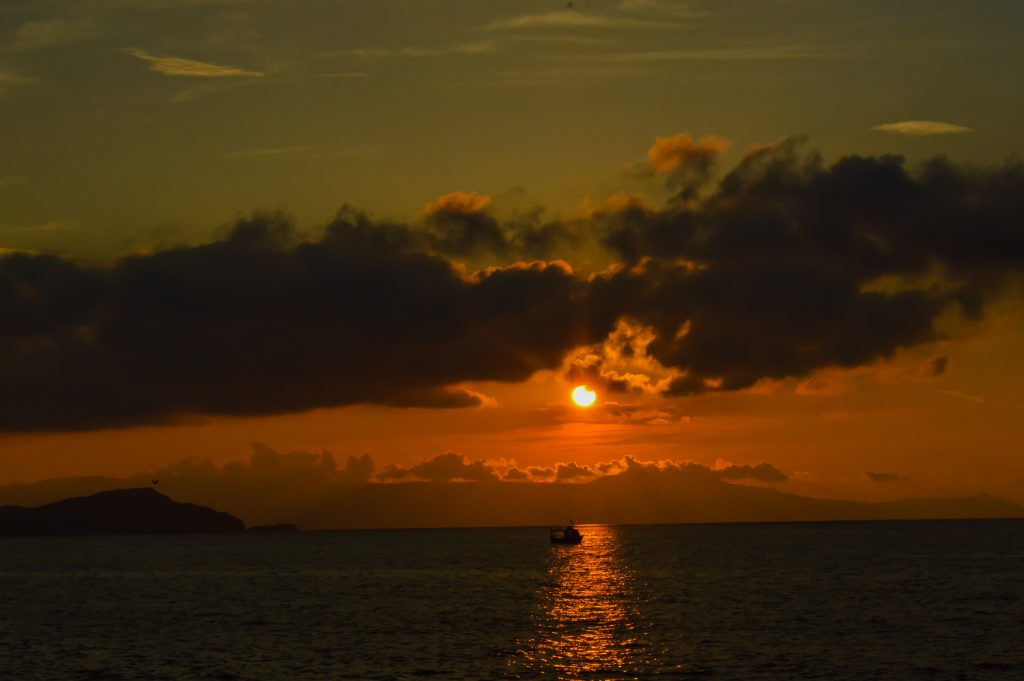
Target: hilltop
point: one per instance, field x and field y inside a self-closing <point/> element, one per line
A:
<point x="120" y="511"/>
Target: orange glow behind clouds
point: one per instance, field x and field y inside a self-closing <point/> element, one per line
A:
<point x="583" y="396"/>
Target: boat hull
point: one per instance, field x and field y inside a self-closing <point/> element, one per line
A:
<point x="565" y="535"/>
<point x="570" y="540"/>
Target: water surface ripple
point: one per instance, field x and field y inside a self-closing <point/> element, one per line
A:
<point x="904" y="600"/>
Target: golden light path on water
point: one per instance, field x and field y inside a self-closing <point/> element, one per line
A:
<point x="588" y="621"/>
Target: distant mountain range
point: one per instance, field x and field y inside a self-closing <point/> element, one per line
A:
<point x="122" y="511"/>
<point x="641" y="495"/>
<point x="635" y="497"/>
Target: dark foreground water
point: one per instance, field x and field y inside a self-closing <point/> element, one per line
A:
<point x="925" y="600"/>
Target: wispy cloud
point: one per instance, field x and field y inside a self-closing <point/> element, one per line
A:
<point x="344" y="75"/>
<point x="47" y="226"/>
<point x="479" y="47"/>
<point x="755" y="53"/>
<point x="964" y="396"/>
<point x="168" y="4"/>
<point x="291" y="152"/>
<point x="263" y="153"/>
<point x="571" y="74"/>
<point x="210" y="86"/>
<point x="556" y="39"/>
<point x="671" y="7"/>
<point x="10" y="251"/>
<point x="35" y="35"/>
<point x="572" y="19"/>
<point x="922" y="128"/>
<point x="8" y="79"/>
<point x="177" y="66"/>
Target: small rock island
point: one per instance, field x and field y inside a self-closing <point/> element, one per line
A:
<point x="282" y="528"/>
<point x="120" y="511"/>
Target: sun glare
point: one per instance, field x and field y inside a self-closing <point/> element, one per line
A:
<point x="583" y="396"/>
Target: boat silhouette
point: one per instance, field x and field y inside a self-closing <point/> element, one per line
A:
<point x="566" y="535"/>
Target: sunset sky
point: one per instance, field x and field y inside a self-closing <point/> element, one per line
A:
<point x="764" y="231"/>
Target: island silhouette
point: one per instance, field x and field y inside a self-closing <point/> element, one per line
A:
<point x="119" y="511"/>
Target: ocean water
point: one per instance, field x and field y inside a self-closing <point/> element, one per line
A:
<point x="900" y="600"/>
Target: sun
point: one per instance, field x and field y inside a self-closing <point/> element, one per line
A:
<point x="583" y="396"/>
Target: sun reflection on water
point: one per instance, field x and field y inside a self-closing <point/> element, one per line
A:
<point x="588" y="621"/>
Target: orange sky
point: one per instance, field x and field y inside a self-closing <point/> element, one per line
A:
<point x="952" y="435"/>
<point x="796" y="241"/>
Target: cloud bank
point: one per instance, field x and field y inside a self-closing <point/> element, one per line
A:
<point x="454" y="467"/>
<point x="449" y="490"/>
<point x="443" y="468"/>
<point x="784" y="266"/>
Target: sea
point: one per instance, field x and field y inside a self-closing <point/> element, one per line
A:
<point x="858" y="601"/>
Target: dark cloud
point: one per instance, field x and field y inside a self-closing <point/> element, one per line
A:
<point x="786" y="266"/>
<point x="606" y="467"/>
<point x="269" y="487"/>
<point x="464" y="225"/>
<point x="566" y="472"/>
<point x="937" y="366"/>
<point x="765" y="472"/>
<point x="460" y="225"/>
<point x="688" y="163"/>
<point x="884" y="477"/>
<point x="359" y="469"/>
<point x="633" y="465"/>
<point x="515" y="475"/>
<point x="541" y="472"/>
<point x="393" y="473"/>
<point x="262" y="323"/>
<point x="443" y="468"/>
<point x="269" y="467"/>
<point x="791" y="265"/>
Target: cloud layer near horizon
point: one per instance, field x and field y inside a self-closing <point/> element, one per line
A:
<point x="785" y="266"/>
<point x="310" y="473"/>
<point x="313" y="491"/>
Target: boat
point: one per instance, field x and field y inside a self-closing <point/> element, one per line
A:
<point x="566" y="535"/>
